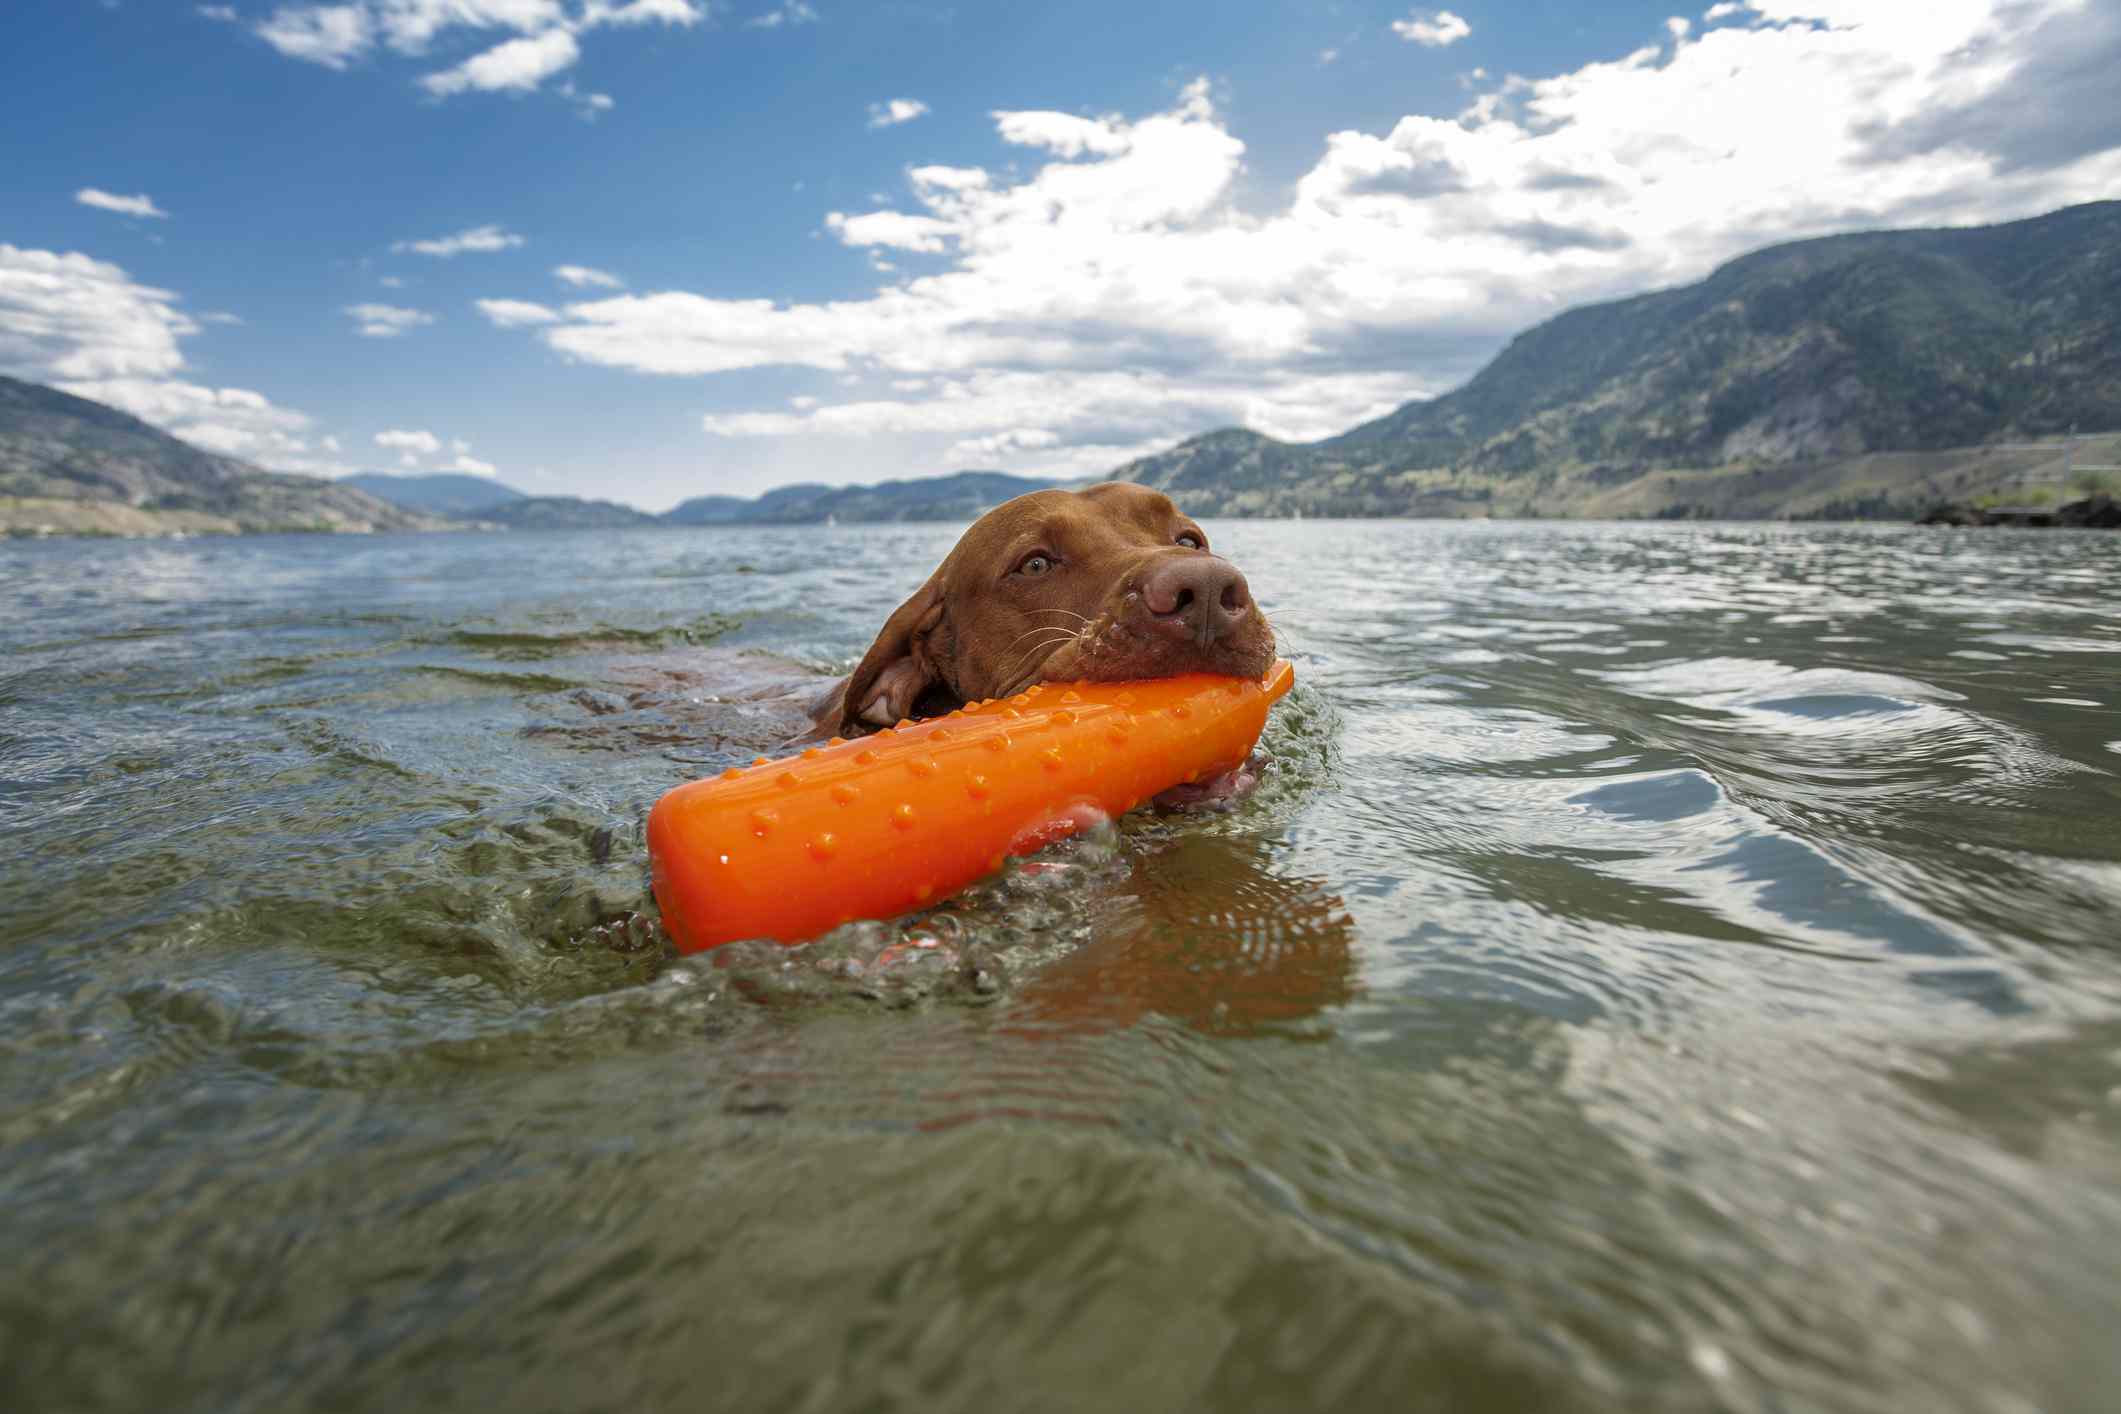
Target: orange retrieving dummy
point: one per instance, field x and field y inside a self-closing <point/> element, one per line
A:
<point x="871" y="828"/>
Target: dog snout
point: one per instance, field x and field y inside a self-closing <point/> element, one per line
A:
<point x="1196" y="596"/>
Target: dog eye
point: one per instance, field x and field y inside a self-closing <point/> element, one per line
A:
<point x="1192" y="540"/>
<point x="1036" y="565"/>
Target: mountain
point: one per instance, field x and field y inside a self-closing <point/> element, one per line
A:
<point x="1812" y="357"/>
<point x="961" y="495"/>
<point x="439" y="493"/>
<point x="558" y="513"/>
<point x="71" y="465"/>
<point x="708" y="510"/>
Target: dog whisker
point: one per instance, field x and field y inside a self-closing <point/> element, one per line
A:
<point x="1041" y="628"/>
<point x="1032" y="657"/>
<point x="1283" y="637"/>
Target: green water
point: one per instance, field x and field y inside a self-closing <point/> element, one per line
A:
<point x="1664" y="968"/>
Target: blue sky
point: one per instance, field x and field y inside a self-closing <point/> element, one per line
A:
<point x="648" y="249"/>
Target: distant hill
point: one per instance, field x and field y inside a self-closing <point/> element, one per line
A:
<point x="439" y="493"/>
<point x="559" y="513"/>
<point x="73" y="465"/>
<point x="708" y="510"/>
<point x="1810" y="357"/>
<point x="961" y="495"/>
<point x="1859" y="375"/>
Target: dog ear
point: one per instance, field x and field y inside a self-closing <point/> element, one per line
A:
<point x="898" y="667"/>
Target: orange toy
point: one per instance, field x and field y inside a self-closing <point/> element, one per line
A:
<point x="871" y="828"/>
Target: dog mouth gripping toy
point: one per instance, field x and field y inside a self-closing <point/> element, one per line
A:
<point x="882" y="825"/>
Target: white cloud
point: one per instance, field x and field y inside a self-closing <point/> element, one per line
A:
<point x="1679" y="26"/>
<point x="224" y="13"/>
<point x="331" y="35"/>
<point x="1432" y="31"/>
<point x="141" y="205"/>
<point x="791" y="12"/>
<point x="235" y="422"/>
<point x="1114" y="295"/>
<point x="516" y="313"/>
<point x="895" y="111"/>
<point x="390" y="282"/>
<point x="588" y="106"/>
<point x="1064" y="133"/>
<point x="220" y="316"/>
<point x="584" y="276"/>
<point x="386" y="321"/>
<point x="84" y="326"/>
<point x="641" y="12"/>
<point x="1723" y="11"/>
<point x="411" y="26"/>
<point x="481" y="240"/>
<point x="414" y="442"/>
<point x="518" y="64"/>
<point x="890" y="228"/>
<point x="543" y="43"/>
<point x="67" y="318"/>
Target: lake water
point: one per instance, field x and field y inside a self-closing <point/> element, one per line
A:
<point x="1665" y="967"/>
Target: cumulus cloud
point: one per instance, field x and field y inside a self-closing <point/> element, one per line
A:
<point x="85" y="326"/>
<point x="386" y="321"/>
<point x="584" y="276"/>
<point x="683" y="13"/>
<point x="1064" y="133"/>
<point x="1110" y="295"/>
<point x="895" y="111"/>
<point x="140" y="205"/>
<point x="1432" y="31"/>
<point x="226" y="14"/>
<point x="519" y="64"/>
<point x="412" y="26"/>
<point x="68" y="317"/>
<point x="2037" y="92"/>
<point x="331" y="35"/>
<point x="415" y="444"/>
<point x="410" y="443"/>
<point x="516" y="313"/>
<point x="480" y="240"/>
<point x="890" y="228"/>
<point x="544" y="40"/>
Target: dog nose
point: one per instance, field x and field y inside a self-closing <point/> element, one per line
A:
<point x="1195" y="596"/>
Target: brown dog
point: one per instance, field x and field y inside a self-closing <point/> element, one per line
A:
<point x="1107" y="584"/>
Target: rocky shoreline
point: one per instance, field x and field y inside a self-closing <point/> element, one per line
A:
<point x="2099" y="512"/>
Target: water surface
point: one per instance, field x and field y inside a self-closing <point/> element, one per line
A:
<point x="1665" y="967"/>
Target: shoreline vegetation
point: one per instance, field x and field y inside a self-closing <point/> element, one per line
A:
<point x="1937" y="375"/>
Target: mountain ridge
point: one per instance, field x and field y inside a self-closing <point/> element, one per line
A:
<point x="1810" y="353"/>
<point x="436" y="492"/>
<point x="73" y="465"/>
<point x="1869" y="374"/>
